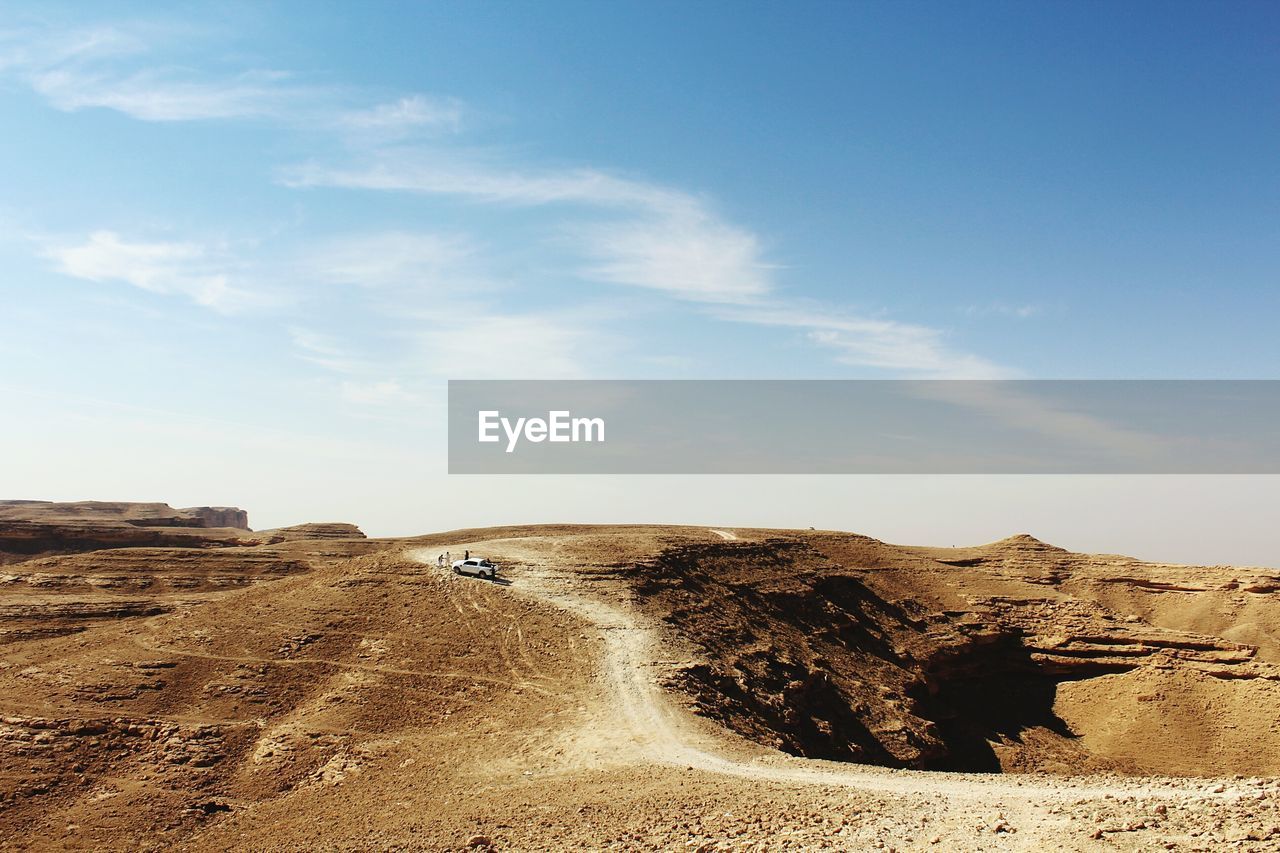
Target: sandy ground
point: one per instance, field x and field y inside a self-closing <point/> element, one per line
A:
<point x="375" y="701"/>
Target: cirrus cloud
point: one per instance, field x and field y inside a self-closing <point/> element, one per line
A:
<point x="182" y="268"/>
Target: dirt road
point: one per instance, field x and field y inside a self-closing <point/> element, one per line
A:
<point x="645" y="725"/>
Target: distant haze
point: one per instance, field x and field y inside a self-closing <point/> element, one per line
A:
<point x="245" y="248"/>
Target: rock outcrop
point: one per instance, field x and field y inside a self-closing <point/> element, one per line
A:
<point x="34" y="527"/>
<point x="30" y="529"/>
<point x="218" y="516"/>
<point x="314" y="530"/>
<point x="842" y="647"/>
<point x="138" y="514"/>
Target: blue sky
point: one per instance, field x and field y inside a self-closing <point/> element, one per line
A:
<point x="255" y="239"/>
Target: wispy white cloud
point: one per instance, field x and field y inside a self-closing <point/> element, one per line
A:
<point x="440" y="313"/>
<point x="1038" y="408"/>
<point x="130" y="70"/>
<point x="323" y="350"/>
<point x="178" y="268"/>
<point x="106" y="67"/>
<point x="469" y="174"/>
<point x="697" y="258"/>
<point x="383" y="392"/>
<point x="407" y="114"/>
<point x="23" y="50"/>
<point x="456" y="340"/>
<point x="1004" y="309"/>
<point x="157" y="95"/>
<point x="481" y="344"/>
<point x="398" y="260"/>
<point x="667" y="240"/>
<point x="672" y="241"/>
<point x="916" y="350"/>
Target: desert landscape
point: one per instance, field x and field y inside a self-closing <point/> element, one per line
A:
<point x="172" y="678"/>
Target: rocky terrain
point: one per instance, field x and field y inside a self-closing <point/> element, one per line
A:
<point x="841" y="647"/>
<point x="621" y="687"/>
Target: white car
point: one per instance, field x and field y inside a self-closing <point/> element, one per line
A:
<point x="477" y="566"/>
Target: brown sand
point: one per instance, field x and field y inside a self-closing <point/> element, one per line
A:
<point x="637" y="688"/>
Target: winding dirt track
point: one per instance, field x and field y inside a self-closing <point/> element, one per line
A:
<point x="645" y="725"/>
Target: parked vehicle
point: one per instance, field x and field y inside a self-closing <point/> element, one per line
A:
<point x="477" y="567"/>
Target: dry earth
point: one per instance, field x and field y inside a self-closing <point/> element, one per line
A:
<point x="621" y="687"/>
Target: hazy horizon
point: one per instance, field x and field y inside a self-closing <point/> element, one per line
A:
<point x="246" y="247"/>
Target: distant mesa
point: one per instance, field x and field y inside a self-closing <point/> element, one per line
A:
<point x="316" y="530"/>
<point x="219" y="516"/>
<point x="138" y="514"/>
<point x="29" y="527"/>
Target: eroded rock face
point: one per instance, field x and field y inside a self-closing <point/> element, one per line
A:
<point x="841" y="647"/>
<point x="31" y="528"/>
<point x="35" y="527"/>
<point x="800" y="655"/>
<point x="138" y="514"/>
